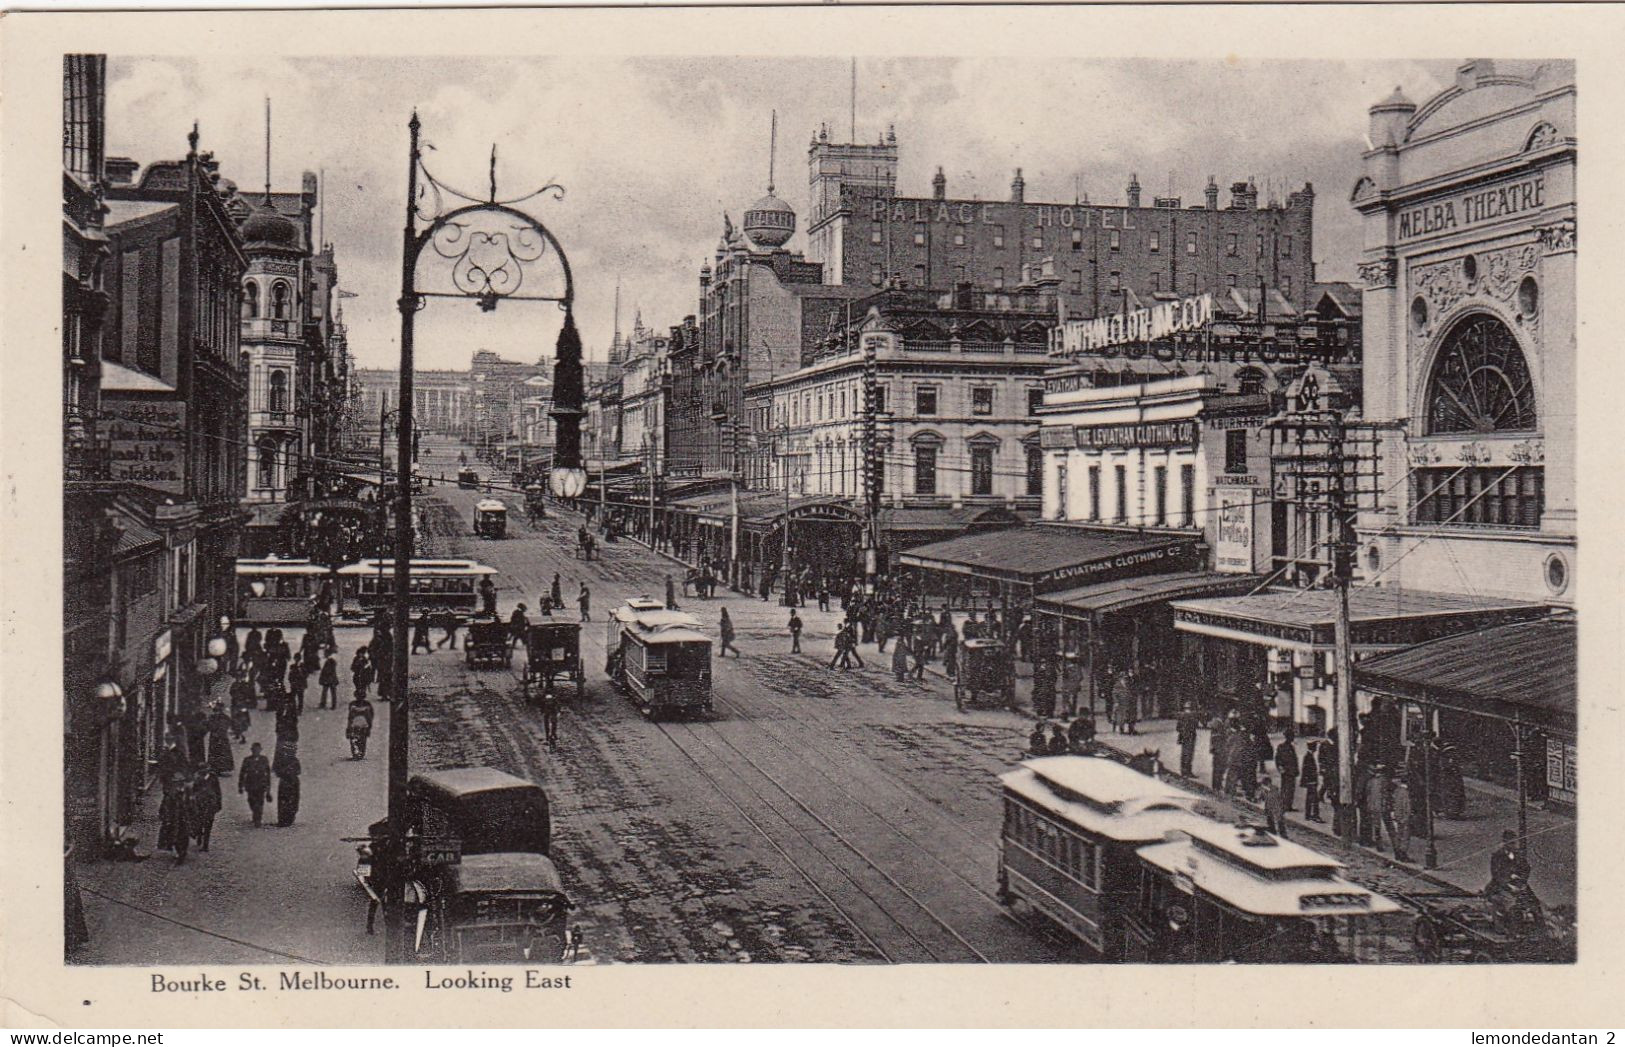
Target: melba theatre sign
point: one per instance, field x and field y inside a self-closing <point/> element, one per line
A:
<point x="1474" y="207"/>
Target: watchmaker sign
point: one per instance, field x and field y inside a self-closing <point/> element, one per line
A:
<point x="147" y="441"/>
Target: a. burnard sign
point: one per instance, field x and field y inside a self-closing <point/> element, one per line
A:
<point x="1135" y="325"/>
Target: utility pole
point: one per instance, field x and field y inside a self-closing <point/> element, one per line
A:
<point x="649" y="465"/>
<point x="1343" y="706"/>
<point x="871" y="457"/>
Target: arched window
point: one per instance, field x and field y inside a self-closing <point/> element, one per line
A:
<point x="1480" y="381"/>
<point x="1250" y="381"/>
<point x="280" y="302"/>
<point x="251" y="300"/>
<point x="279" y="391"/>
<point x="267" y="470"/>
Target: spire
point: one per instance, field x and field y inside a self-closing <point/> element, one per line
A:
<point x="772" y="149"/>
<point x="267" y="150"/>
<point x="617" y="311"/>
<point x="854" y="136"/>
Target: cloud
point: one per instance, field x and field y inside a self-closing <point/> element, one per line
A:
<point x="653" y="150"/>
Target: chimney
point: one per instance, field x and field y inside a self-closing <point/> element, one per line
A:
<point x="939" y="185"/>
<point x="1242" y="196"/>
<point x="1018" y="188"/>
<point x="1134" y="190"/>
<point x="1212" y="193"/>
<point x="119" y="170"/>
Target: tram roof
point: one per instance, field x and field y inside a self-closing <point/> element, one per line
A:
<point x="490" y="505"/>
<point x="659" y="625"/>
<point x="1319" y="892"/>
<point x="275" y="565"/>
<point x="457" y="568"/>
<point x="1102" y="797"/>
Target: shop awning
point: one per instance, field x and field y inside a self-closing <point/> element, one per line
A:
<point x="769" y="513"/>
<point x="1126" y="594"/>
<point x="1049" y="557"/>
<point x="1303" y="619"/>
<point x="911" y="519"/>
<point x="1526" y="672"/>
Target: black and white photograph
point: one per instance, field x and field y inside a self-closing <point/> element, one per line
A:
<point x="530" y="513"/>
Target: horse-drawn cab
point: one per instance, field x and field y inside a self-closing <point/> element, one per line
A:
<point x="552" y="653"/>
<point x="487" y="644"/>
<point x="986" y="675"/>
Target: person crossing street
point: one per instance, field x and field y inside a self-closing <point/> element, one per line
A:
<point x="725" y="629"/>
<point x="254" y="781"/>
<point x="795" y="632"/>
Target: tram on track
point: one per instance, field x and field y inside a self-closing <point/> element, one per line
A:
<point x="437" y="585"/>
<point x="277" y="590"/>
<point x="660" y="658"/>
<point x="1132" y="867"/>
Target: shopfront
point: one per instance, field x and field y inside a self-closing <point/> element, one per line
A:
<point x="1293" y="631"/>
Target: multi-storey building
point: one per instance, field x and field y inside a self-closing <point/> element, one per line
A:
<point x="442" y="401"/>
<point x="643" y="400"/>
<point x="1105" y="257"/>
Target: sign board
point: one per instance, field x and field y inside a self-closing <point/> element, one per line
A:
<point x="1057" y="438"/>
<point x="1135" y="325"/>
<point x="1233" y="545"/>
<point x="1137" y="434"/>
<point x="1172" y="557"/>
<point x="1562" y="770"/>
<point x="147" y="441"/>
<point x="435" y="850"/>
<point x="1521" y="196"/>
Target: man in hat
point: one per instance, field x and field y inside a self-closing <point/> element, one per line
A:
<point x="254" y="781"/>
<point x="518" y="625"/>
<point x="1189" y="721"/>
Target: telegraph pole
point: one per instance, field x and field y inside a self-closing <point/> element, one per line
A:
<point x="1343" y="706"/>
<point x="871" y="455"/>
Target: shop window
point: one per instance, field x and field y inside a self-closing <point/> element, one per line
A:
<point x="1235" y="451"/>
<point x="1035" y="470"/>
<point x="925" y="470"/>
<point x="1060" y="490"/>
<point x="1484" y="497"/>
<point x="1094" y="492"/>
<point x="981" y="469"/>
<point x="1480" y="381"/>
<point x="1122" y="493"/>
<point x="981" y="400"/>
<point x="1160" y="479"/>
<point x="925" y="400"/>
<point x="1187" y="496"/>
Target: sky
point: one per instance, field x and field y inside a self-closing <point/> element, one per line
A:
<point x="652" y="152"/>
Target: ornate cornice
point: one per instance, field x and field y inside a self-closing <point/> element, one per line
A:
<point x="1382" y="273"/>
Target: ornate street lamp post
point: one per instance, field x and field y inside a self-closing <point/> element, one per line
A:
<point x="488" y="246"/>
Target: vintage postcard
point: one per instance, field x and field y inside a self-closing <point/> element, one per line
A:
<point x="751" y="516"/>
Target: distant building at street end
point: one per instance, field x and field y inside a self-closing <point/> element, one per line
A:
<point x="1468" y="202"/>
<point x="1105" y="257"/>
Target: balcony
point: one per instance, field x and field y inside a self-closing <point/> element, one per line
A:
<point x="272" y="420"/>
<point x="261" y="328"/>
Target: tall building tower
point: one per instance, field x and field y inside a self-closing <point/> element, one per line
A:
<point x="836" y="173"/>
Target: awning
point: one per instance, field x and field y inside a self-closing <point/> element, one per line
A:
<point x="1049" y="557"/>
<point x="770" y="512"/>
<point x="1303" y="619"/>
<point x="916" y="519"/>
<point x="1526" y="672"/>
<point x="1089" y="601"/>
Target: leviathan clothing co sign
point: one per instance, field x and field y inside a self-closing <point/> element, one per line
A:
<point x="1135" y="325"/>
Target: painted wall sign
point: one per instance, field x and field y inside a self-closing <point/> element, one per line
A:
<point x="1140" y="434"/>
<point x="1233" y="545"/>
<point x="1474" y="207"/>
<point x="1135" y="325"/>
<point x="146" y="441"/>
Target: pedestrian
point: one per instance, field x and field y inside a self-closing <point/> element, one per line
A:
<point x="725" y="629"/>
<point x="361" y="674"/>
<point x="221" y="761"/>
<point x="1218" y="745"/>
<point x="287" y="791"/>
<point x="1038" y="741"/>
<point x="1274" y="814"/>
<point x="1127" y="702"/>
<point x="1081" y="733"/>
<point x="488" y="597"/>
<point x="919" y="663"/>
<point x="1286" y="765"/>
<point x="795" y="632"/>
<point x="1331" y="781"/>
<point x="420" y="634"/>
<point x="1058" y="743"/>
<point x="899" y="659"/>
<point x="229" y="632"/>
<point x="518" y="626"/>
<point x="254" y="781"/>
<point x="671" y="594"/>
<point x="584" y="601"/>
<point x="1309" y="776"/>
<point x="298" y="680"/>
<point x="1189" y="722"/>
<point x="448" y="622"/>
<point x="765" y="588"/>
<point x="242" y="700"/>
<point x="555" y="593"/>
<point x="950" y="660"/>
<point x="206" y="804"/>
<point x="358" y="726"/>
<point x="840" y="658"/>
<point x="550" y="715"/>
<point x="883" y="629"/>
<point x="329" y="679"/>
<point x="1241" y="761"/>
<point x="253" y="648"/>
<point x="1399" y="804"/>
<point x="1379" y="806"/>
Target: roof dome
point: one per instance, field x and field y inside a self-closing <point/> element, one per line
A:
<point x="770" y="221"/>
<point x="268" y="227"/>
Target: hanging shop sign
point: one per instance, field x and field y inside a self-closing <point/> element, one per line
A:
<point x="1134" y="325"/>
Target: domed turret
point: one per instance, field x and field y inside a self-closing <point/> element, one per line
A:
<point x="770" y="221"/>
<point x="267" y="227"/>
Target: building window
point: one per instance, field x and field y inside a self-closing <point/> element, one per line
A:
<point x="1250" y="382"/>
<point x="1235" y="450"/>
<point x="1094" y="492"/>
<point x="998" y="236"/>
<point x="1485" y="497"/>
<point x="981" y="400"/>
<point x="1060" y="490"/>
<point x="919" y="276"/>
<point x="1260" y="245"/>
<point x="959" y="274"/>
<point x="1035" y="469"/>
<point x="1160" y="479"/>
<point x="820" y="407"/>
<point x="919" y="234"/>
<point x="1156" y="282"/>
<point x="998" y="279"/>
<point x="1286" y="285"/>
<point x="1077" y="281"/>
<point x="1187" y="496"/>
<point x="1480" y="381"/>
<point x="843" y="404"/>
<point x="1038" y="241"/>
<point x="1117" y="240"/>
<point x="1035" y="399"/>
<point x="1230" y="245"/>
<point x="1122" y="493"/>
<point x="1190" y="243"/>
<point x="981" y="470"/>
<point x="267" y="470"/>
<point x="1116" y="281"/>
<point x="875" y="273"/>
<point x="959" y="237"/>
<point x="1155" y="242"/>
<point x="1230" y="280"/>
<point x="1077" y="239"/>
<point x="278" y="399"/>
<point x="925" y="400"/>
<point x="251" y="300"/>
<point x="1190" y="283"/>
<point x="280" y="304"/>
<point x="875" y="235"/>
<point x="880" y="399"/>
<point x="1286" y="247"/>
<point x="925" y="470"/>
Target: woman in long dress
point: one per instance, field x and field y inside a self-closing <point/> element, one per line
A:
<point x="287" y="791"/>
<point x="221" y="760"/>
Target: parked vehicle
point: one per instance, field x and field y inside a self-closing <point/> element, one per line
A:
<point x="498" y="908"/>
<point x="660" y="658"/>
<point x="488" y="810"/>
